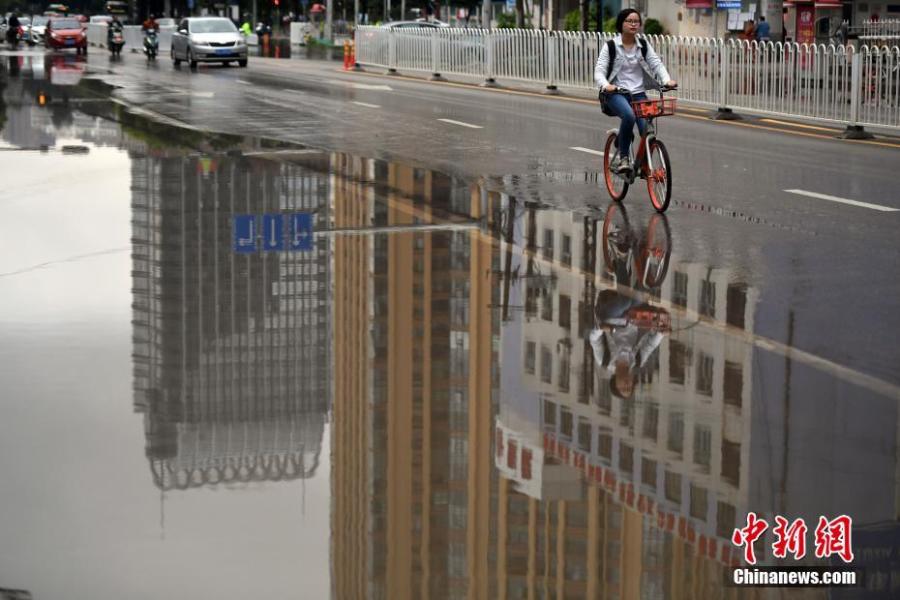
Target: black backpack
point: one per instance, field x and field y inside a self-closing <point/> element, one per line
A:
<point x="611" y="46"/>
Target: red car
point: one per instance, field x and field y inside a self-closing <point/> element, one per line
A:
<point x="65" y="32"/>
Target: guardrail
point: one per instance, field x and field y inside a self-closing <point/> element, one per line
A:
<point x="887" y="27"/>
<point x="835" y="84"/>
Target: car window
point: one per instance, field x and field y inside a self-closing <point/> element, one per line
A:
<point x="38" y="21"/>
<point x="212" y="26"/>
<point x="183" y="24"/>
<point x="65" y="24"/>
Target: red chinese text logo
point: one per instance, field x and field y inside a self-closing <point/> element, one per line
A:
<point x="749" y="534"/>
<point x="832" y="538"/>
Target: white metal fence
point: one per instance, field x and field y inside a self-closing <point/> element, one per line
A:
<point x="839" y="84"/>
<point x="885" y="28"/>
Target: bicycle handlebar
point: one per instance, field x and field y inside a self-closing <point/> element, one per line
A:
<point x="661" y="89"/>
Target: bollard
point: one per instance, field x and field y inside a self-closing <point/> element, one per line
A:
<point x="346" y="55"/>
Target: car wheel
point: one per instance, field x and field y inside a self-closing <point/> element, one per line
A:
<point x="242" y="63"/>
<point x="190" y="59"/>
<point x="175" y="61"/>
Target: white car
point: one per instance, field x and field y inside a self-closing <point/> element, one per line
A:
<point x="208" y="39"/>
<point x="35" y="33"/>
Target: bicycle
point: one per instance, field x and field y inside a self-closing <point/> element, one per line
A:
<point x="652" y="160"/>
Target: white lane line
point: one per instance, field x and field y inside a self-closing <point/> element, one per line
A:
<point x="588" y="150"/>
<point x="366" y="104"/>
<point x="242" y="82"/>
<point x="843" y="200"/>
<point x="461" y="124"/>
<point x="202" y="94"/>
<point x="363" y="86"/>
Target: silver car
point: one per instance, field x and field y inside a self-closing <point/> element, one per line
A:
<point x="208" y="39"/>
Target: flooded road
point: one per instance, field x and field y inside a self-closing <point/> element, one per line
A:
<point x="436" y="391"/>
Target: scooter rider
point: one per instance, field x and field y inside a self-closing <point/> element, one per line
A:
<point x="114" y="25"/>
<point x="149" y="25"/>
<point x="12" y="32"/>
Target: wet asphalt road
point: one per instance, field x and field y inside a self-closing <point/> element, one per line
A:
<point x="285" y="415"/>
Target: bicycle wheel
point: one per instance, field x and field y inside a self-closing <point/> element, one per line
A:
<point x="616" y="184"/>
<point x="659" y="181"/>
<point x="617" y="236"/>
<point x="656" y="251"/>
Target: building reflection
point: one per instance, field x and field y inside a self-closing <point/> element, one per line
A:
<point x="612" y="490"/>
<point x="525" y="403"/>
<point x="414" y="387"/>
<point x="232" y="368"/>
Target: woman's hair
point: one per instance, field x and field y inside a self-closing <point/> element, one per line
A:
<point x="623" y="14"/>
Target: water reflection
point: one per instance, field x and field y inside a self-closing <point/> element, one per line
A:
<point x="231" y="355"/>
<point x="545" y="403"/>
<point x="639" y="422"/>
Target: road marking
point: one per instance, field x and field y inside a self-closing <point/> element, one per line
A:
<point x="363" y="86"/>
<point x="461" y="124"/>
<point x="789" y="124"/>
<point x="202" y="94"/>
<point x="242" y="82"/>
<point x="588" y="150"/>
<point x="366" y="104"/>
<point x="843" y="200"/>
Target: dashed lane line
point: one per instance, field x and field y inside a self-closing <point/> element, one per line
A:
<point x="461" y="124"/>
<point x="843" y="200"/>
<point x="366" y="104"/>
<point x="588" y="150"/>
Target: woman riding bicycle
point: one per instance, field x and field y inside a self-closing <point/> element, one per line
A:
<point x="634" y="67"/>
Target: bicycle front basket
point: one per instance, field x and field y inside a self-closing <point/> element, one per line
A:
<point x="659" y="107"/>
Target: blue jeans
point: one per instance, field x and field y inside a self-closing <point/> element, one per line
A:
<point x="621" y="105"/>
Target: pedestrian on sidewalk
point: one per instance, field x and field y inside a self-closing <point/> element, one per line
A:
<point x="763" y="31"/>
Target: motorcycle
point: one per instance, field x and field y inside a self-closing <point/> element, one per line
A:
<point x="115" y="41"/>
<point x="151" y="45"/>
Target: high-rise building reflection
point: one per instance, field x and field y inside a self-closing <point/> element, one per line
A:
<point x="415" y="385"/>
<point x="232" y="366"/>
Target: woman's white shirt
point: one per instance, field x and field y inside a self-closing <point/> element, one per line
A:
<point x="631" y="76"/>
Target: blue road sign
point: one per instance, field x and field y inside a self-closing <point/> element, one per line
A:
<point x="301" y="232"/>
<point x="244" y="233"/>
<point x="273" y="232"/>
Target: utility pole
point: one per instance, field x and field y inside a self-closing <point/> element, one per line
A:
<point x="329" y="19"/>
<point x="486" y="14"/>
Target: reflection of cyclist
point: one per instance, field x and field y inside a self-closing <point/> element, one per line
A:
<point x="631" y="65"/>
<point x="623" y="342"/>
<point x="627" y="328"/>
